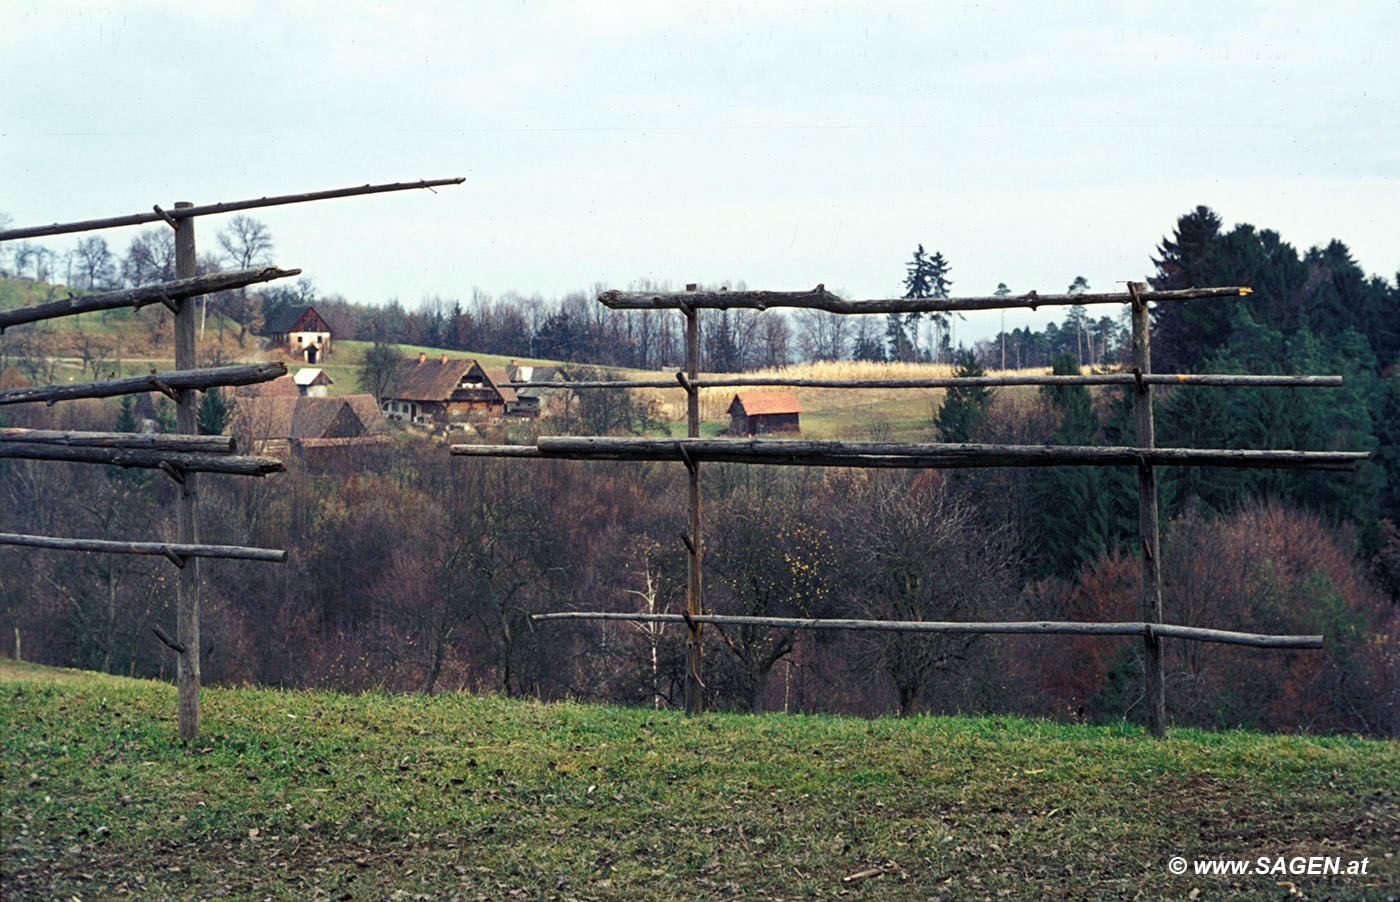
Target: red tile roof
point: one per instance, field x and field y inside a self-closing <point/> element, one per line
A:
<point x="754" y="403"/>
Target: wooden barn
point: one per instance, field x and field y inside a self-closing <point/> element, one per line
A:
<point x="281" y="424"/>
<point x="446" y="390"/>
<point x="763" y="412"/>
<point x="302" y="332"/>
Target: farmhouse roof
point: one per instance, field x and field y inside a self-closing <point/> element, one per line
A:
<point x="428" y="379"/>
<point x="754" y="403"/>
<point x="287" y="320"/>
<point x="498" y="379"/>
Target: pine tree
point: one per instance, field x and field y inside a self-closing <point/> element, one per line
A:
<point x="1070" y="515"/>
<point x="126" y="414"/>
<point x="927" y="277"/>
<point x="214" y="413"/>
<point x="1001" y="292"/>
<point x="963" y="412"/>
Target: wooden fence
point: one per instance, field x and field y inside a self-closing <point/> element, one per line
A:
<point x="1145" y="457"/>
<point x="183" y="455"/>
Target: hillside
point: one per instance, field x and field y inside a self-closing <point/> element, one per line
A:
<point x="322" y="795"/>
<point x="125" y="342"/>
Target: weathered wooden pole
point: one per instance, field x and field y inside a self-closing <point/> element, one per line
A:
<point x="187" y="526"/>
<point x="1147" y="519"/>
<point x="694" y="685"/>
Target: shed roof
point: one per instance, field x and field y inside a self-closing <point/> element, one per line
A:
<point x="283" y="386"/>
<point x="754" y="403"/>
<point x="301" y="417"/>
<point x="312" y="375"/>
<point x="367" y="410"/>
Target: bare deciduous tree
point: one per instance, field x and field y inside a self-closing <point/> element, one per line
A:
<point x="150" y="257"/>
<point x="921" y="555"/>
<point x="93" y="265"/>
<point x="822" y="335"/>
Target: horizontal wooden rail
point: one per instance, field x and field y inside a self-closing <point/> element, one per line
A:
<point x="178" y="213"/>
<point x="1028" y="627"/>
<point x="158" y="293"/>
<point x="821" y="299"/>
<point x="207" y="444"/>
<point x="906" y="454"/>
<point x="1226" y="379"/>
<point x="164" y="549"/>
<point x="174" y="462"/>
<point x="175" y="380"/>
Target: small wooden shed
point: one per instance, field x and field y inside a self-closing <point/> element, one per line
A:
<point x="313" y="382"/>
<point x="762" y="412"/>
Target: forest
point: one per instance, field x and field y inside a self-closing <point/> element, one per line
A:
<point x="414" y="571"/>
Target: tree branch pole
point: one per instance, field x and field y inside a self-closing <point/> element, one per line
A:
<point x="183" y="462"/>
<point x="907" y="455"/>
<point x="1154" y="681"/>
<point x="1018" y="627"/>
<point x="158" y="293"/>
<point x="1203" y="379"/>
<point x="186" y="212"/>
<point x="187" y="506"/>
<point x="694" y="599"/>
<point x="205" y="444"/>
<point x="821" y="299"/>
<point x="106" y="546"/>
<point x="241" y="374"/>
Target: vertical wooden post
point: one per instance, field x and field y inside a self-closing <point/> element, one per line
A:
<point x="694" y="685"/>
<point x="1147" y="519"/>
<point x="187" y="529"/>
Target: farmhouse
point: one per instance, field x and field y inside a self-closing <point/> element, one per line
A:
<point x="761" y="412"/>
<point x="300" y="331"/>
<point x="446" y="390"/>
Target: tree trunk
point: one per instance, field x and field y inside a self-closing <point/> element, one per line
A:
<point x="908" y="697"/>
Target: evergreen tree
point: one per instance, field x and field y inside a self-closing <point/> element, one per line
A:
<point x="917" y="283"/>
<point x="165" y="416"/>
<point x="927" y="277"/>
<point x="214" y="413"/>
<point x="1069" y="518"/>
<point x="1001" y="292"/>
<point x="963" y="412"/>
<point x="126" y="414"/>
<point x="868" y="347"/>
<point x="897" y="339"/>
<point x="942" y="286"/>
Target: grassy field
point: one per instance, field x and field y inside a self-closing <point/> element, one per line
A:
<point x="304" y="795"/>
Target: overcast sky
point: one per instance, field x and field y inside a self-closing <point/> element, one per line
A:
<point x="777" y="144"/>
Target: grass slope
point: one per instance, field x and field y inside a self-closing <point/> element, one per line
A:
<point x="300" y="795"/>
